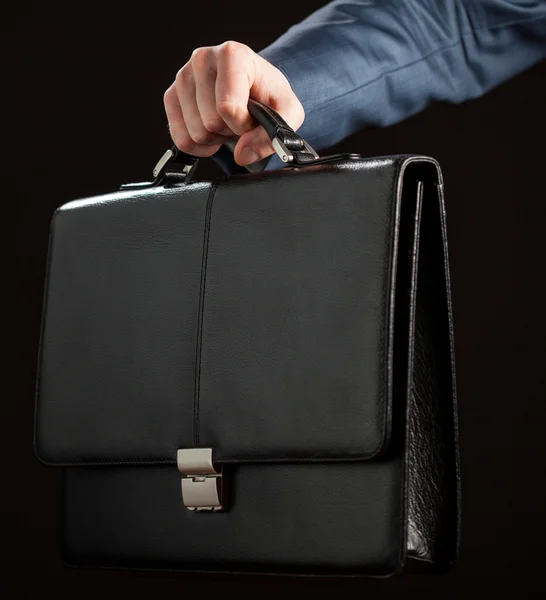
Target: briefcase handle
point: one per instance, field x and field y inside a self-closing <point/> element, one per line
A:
<point x="289" y="146"/>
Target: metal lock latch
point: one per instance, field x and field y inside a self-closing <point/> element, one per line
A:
<point x="201" y="482"/>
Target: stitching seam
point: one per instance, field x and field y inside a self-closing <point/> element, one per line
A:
<point x="199" y="337"/>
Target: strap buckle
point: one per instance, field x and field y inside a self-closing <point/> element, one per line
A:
<point x="180" y="165"/>
<point x="201" y="482"/>
<point x="287" y="156"/>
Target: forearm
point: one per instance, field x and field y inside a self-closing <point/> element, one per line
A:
<point x="356" y="64"/>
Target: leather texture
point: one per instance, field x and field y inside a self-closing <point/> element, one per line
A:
<point x="432" y="429"/>
<point x="281" y="344"/>
<point x="298" y="322"/>
<point x="283" y="518"/>
<point x="118" y="340"/>
<point x="293" y="347"/>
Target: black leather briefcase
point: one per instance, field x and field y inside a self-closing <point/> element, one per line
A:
<point x="254" y="374"/>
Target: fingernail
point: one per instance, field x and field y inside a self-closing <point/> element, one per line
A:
<point x="248" y="156"/>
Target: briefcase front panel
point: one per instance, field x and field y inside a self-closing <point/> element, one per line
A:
<point x="243" y="316"/>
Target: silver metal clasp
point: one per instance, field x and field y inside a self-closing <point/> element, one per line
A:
<point x="201" y="482"/>
<point x="162" y="162"/>
<point x="285" y="154"/>
<point x="182" y="165"/>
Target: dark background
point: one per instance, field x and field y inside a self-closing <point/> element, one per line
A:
<point x="85" y="114"/>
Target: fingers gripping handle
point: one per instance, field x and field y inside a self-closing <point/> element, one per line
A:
<point x="289" y="146"/>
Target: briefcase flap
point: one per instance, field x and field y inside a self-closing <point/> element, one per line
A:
<point x="252" y="315"/>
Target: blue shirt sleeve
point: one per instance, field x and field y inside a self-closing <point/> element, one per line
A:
<point x="365" y="63"/>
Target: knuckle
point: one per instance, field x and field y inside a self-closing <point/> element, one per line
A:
<point x="228" y="109"/>
<point x="202" y="137"/>
<point x="182" y="141"/>
<point x="200" y="56"/>
<point x="183" y="75"/>
<point x="168" y="95"/>
<point x="232" y="48"/>
<point x="214" y="125"/>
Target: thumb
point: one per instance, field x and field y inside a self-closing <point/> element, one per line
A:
<point x="253" y="146"/>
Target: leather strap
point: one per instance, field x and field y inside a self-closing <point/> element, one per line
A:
<point x="179" y="166"/>
<point x="277" y="127"/>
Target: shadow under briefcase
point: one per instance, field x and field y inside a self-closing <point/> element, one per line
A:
<point x="254" y="374"/>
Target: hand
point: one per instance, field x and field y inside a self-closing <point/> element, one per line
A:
<point x="206" y="105"/>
